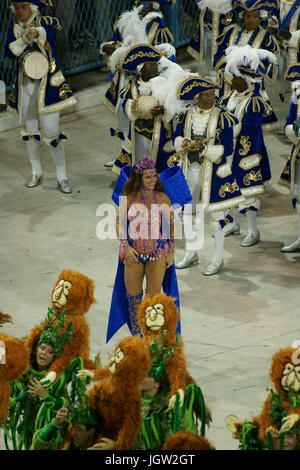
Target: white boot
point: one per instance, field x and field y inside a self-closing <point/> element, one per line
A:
<point x="217" y="262"/>
<point x="253" y="236"/>
<point x="190" y="259"/>
<point x="58" y="155"/>
<point x="33" y="149"/>
<point x="293" y="248"/>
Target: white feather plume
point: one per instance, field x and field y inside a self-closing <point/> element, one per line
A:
<point x="164" y="87"/>
<point x="217" y="6"/>
<point x="246" y="56"/>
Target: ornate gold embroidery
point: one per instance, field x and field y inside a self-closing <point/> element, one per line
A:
<point x="141" y="54"/>
<point x="228" y="188"/>
<point x="252" y="176"/>
<point x="12" y="97"/>
<point x="246" y="144"/>
<point x="228" y="18"/>
<point x="51" y="58"/>
<point x="195" y="84"/>
<point x="124" y="158"/>
<point x="64" y="90"/>
<point x="286" y="171"/>
<point x="168" y="129"/>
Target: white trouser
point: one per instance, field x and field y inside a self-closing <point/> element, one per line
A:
<point x="296" y="186"/>
<point x="50" y="124"/>
<point x="142" y="146"/>
<point x="194" y="180"/>
<point x="219" y="234"/>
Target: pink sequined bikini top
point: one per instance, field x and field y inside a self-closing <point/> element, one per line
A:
<point x="144" y="226"/>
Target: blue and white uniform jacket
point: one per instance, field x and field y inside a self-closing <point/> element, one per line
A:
<point x="158" y="129"/>
<point x="219" y="192"/>
<point x="54" y="92"/>
<point x="287" y="178"/>
<point x="250" y="162"/>
<point x="155" y="31"/>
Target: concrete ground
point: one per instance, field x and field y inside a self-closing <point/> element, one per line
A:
<point x="232" y="323"/>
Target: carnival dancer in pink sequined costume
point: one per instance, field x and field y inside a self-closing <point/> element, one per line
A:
<point x="145" y="227"/>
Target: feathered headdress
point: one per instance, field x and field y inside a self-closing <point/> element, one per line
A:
<point x="217" y="6"/>
<point x="248" y="61"/>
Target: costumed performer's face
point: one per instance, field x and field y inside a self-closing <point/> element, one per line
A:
<point x="82" y="436"/>
<point x="239" y="84"/>
<point x="149" y="179"/>
<point x="149" y="70"/>
<point x="150" y="386"/>
<point x="44" y="356"/>
<point x="23" y="11"/>
<point x="290" y="442"/>
<point x="155" y="317"/>
<point x="115" y="360"/>
<point x="291" y="377"/>
<point x="252" y="20"/>
<point x="206" y="99"/>
<point x="147" y="9"/>
<point x="61" y="292"/>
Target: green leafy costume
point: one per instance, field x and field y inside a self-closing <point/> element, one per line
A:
<point x="28" y="413"/>
<point x="249" y="439"/>
<point x="157" y="422"/>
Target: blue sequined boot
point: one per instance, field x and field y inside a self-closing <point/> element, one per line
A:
<point x="133" y="307"/>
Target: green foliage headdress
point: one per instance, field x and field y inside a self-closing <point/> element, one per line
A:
<point x="51" y="335"/>
<point x="160" y="358"/>
<point x="78" y="406"/>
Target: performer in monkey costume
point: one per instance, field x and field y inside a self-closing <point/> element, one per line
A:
<point x="185" y="440"/>
<point x="157" y="314"/>
<point x="74" y="293"/>
<point x="277" y="427"/>
<point x="14" y="360"/>
<point x="117" y="398"/>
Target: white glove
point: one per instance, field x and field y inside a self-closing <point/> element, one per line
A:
<point x="224" y="170"/>
<point x="105" y="444"/>
<point x="84" y="374"/>
<point x="172" y="400"/>
<point x="289" y="422"/>
<point x="231" y="424"/>
<point x="49" y="379"/>
<point x="289" y="132"/>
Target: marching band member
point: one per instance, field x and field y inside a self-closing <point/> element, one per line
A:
<point x="250" y="162"/>
<point x="149" y="132"/>
<point x="252" y="33"/>
<point x="214" y="17"/>
<point x="39" y="98"/>
<point x="204" y="131"/>
<point x="143" y="24"/>
<point x="290" y="177"/>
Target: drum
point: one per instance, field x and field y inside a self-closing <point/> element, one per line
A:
<point x="35" y="65"/>
<point x="144" y="106"/>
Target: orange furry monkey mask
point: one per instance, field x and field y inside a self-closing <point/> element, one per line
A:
<point x="14" y="360"/>
<point x="74" y="293"/>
